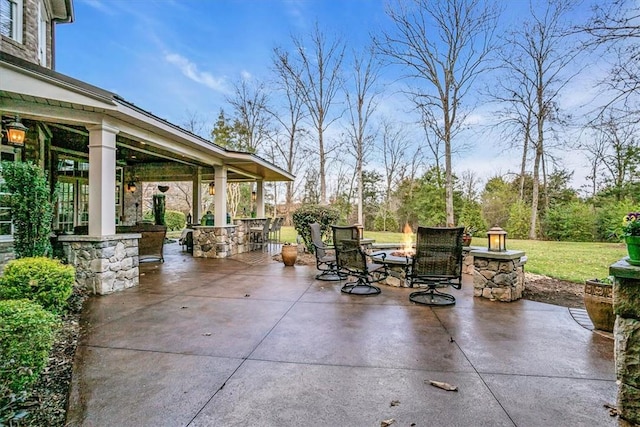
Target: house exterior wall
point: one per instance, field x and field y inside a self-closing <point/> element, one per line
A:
<point x="28" y="49"/>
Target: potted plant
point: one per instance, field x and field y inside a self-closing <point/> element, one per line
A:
<point x="289" y="254"/>
<point x="631" y="235"/>
<point x="468" y="235"/>
<point x="598" y="301"/>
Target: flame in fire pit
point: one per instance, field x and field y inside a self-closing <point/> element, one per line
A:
<point x="407" y="242"/>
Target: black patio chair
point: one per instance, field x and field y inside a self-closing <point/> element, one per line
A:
<point x="437" y="263"/>
<point x="274" y="230"/>
<point x="325" y="256"/>
<point x="353" y="261"/>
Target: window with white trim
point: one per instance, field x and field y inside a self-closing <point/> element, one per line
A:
<point x="11" y="19"/>
<point x="42" y="34"/>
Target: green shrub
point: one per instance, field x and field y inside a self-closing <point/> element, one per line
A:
<point x="175" y="220"/>
<point x="27" y="332"/>
<point x="308" y="214"/>
<point x="572" y="222"/>
<point x="609" y="219"/>
<point x="31" y="208"/>
<point x="385" y="224"/>
<point x="519" y="220"/>
<point x="45" y="281"/>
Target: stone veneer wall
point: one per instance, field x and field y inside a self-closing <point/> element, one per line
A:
<point x="498" y="276"/>
<point x="28" y="49"/>
<point x="6" y="254"/>
<point x="103" y="264"/>
<point x="626" y="332"/>
<point x="219" y="242"/>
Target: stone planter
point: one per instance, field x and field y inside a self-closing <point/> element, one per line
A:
<point x="289" y="254"/>
<point x="598" y="300"/>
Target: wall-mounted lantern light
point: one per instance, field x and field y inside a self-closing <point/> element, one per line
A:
<point x="16" y="132"/>
<point x="131" y="187"/>
<point x="254" y="196"/>
<point x="497" y="239"/>
<point x="212" y="188"/>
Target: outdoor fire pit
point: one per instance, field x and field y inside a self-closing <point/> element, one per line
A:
<point x="398" y="262"/>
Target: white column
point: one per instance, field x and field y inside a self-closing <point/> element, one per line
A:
<point x="221" y="195"/>
<point x="259" y="199"/>
<point x="102" y="180"/>
<point x="196" y="201"/>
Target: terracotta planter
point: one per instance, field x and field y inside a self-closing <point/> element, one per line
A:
<point x="598" y="300"/>
<point x="466" y="240"/>
<point x="289" y="254"/>
<point x="633" y="249"/>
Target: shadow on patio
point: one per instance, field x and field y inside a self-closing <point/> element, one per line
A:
<point x="247" y="341"/>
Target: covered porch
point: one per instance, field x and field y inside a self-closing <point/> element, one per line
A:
<point x="247" y="341"/>
<point x="97" y="149"/>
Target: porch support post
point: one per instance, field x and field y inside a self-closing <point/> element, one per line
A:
<point x="102" y="180"/>
<point x="220" y="198"/>
<point x="196" y="201"/>
<point x="259" y="199"/>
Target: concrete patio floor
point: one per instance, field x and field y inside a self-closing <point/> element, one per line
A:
<point x="248" y="342"/>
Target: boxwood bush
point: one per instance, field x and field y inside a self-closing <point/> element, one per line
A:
<point x="174" y="220"/>
<point x="43" y="280"/>
<point x="306" y="215"/>
<point x="27" y="332"/>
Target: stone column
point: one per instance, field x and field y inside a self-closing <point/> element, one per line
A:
<point x="626" y="306"/>
<point x="498" y="276"/>
<point x="102" y="180"/>
<point x="196" y="202"/>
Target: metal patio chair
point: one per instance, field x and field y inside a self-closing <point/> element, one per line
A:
<point x="325" y="261"/>
<point x="353" y="261"/>
<point x="259" y="235"/>
<point x="436" y="263"/>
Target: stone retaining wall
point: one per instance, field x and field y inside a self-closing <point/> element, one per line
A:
<point x="103" y="264"/>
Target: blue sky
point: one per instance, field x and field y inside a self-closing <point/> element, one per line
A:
<point x="175" y="57"/>
<point x="171" y="56"/>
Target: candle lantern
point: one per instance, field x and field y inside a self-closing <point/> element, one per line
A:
<point x="497" y="239"/>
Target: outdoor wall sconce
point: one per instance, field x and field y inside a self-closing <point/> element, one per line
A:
<point x="16" y="132"/>
<point x="131" y="187"/>
<point x="254" y="196"/>
<point x="212" y="188"/>
<point x="497" y="239"/>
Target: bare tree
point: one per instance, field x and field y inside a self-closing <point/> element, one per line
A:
<point x="615" y="25"/>
<point x="361" y="104"/>
<point x="286" y="143"/>
<point x="539" y="54"/>
<point x="249" y="102"/>
<point x="614" y="153"/>
<point x="443" y="46"/>
<point x="317" y="72"/>
<point x="194" y="123"/>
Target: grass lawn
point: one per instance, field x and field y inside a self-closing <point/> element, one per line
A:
<point x="572" y="261"/>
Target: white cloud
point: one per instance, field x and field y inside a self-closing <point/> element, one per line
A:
<point x="246" y="76"/>
<point x="190" y="70"/>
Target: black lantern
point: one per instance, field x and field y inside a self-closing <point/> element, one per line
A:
<point x="254" y="196"/>
<point x="212" y="188"/>
<point x="131" y="187"/>
<point x="497" y="239"/>
<point x="16" y="132"/>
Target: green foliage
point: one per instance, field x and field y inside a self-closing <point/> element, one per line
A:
<point x="175" y="220"/>
<point x="31" y="208"/>
<point x="497" y="197"/>
<point x="42" y="280"/>
<point x="159" y="203"/>
<point x="519" y="220"/>
<point x="27" y="333"/>
<point x="572" y="222"/>
<point x="384" y="222"/>
<point x="609" y="218"/>
<point x="631" y="224"/>
<point x="308" y="214"/>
